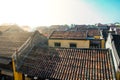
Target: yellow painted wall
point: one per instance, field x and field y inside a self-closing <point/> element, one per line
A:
<point x="118" y="75"/>
<point x="17" y="75"/>
<point x="65" y="43"/>
<point x="97" y="37"/>
<point x="102" y="43"/>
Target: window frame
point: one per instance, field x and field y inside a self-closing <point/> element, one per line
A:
<point x="74" y="45"/>
<point x="57" y="44"/>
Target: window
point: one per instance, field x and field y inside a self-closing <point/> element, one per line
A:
<point x="73" y="45"/>
<point x="57" y="44"/>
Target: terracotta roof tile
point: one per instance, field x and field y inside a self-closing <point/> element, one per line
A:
<point x="68" y="35"/>
<point x="69" y="64"/>
<point x="93" y="32"/>
<point x="81" y="34"/>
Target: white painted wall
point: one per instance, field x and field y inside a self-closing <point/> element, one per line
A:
<point x="114" y="52"/>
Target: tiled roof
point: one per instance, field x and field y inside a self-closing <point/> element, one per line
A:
<point x="69" y="64"/>
<point x="11" y="28"/>
<point x="11" y="41"/>
<point x="3" y="28"/>
<point x="93" y="32"/>
<point x="77" y="34"/>
<point x="68" y="35"/>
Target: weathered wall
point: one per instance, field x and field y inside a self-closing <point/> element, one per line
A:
<point x="102" y="43"/>
<point x="65" y="43"/>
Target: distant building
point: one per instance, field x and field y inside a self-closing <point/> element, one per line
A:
<point x="68" y="39"/>
<point x="46" y="31"/>
<point x="78" y="28"/>
<point x="90" y="38"/>
<point x="59" y="27"/>
<point x="26" y="28"/>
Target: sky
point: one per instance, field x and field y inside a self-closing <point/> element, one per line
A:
<point x="53" y="12"/>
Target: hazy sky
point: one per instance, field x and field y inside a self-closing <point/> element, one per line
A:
<point x="48" y="12"/>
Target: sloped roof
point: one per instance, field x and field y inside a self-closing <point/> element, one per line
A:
<point x="68" y="35"/>
<point x="77" y="34"/>
<point x="69" y="64"/>
<point x="93" y="32"/>
<point x="15" y="28"/>
<point x="3" y="28"/>
<point x="11" y="28"/>
<point x="11" y="40"/>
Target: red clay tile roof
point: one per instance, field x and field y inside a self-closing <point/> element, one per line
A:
<point x="93" y="32"/>
<point x="82" y="34"/>
<point x="68" y="35"/>
<point x="69" y="64"/>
